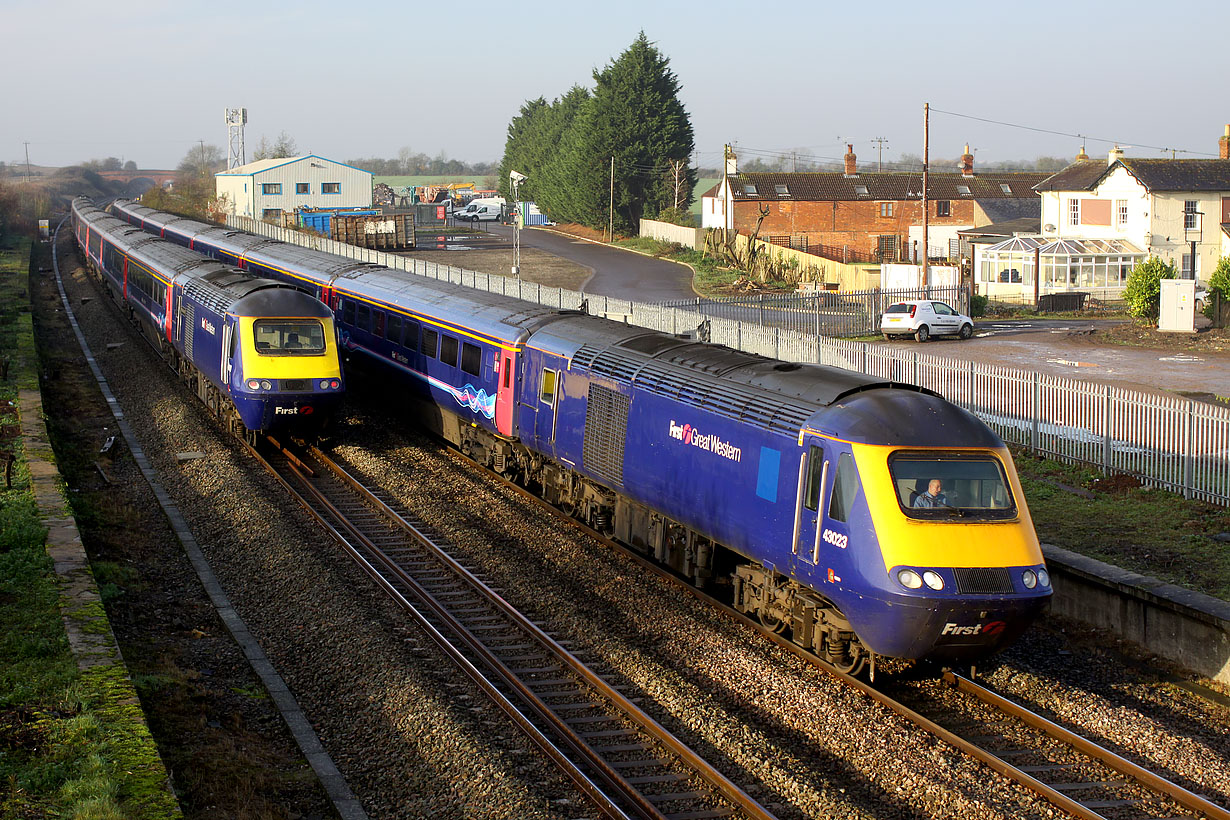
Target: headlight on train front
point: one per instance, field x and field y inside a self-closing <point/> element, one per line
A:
<point x="909" y="579"/>
<point x="1029" y="578"/>
<point x="1044" y="577"/>
<point x="932" y="579"/>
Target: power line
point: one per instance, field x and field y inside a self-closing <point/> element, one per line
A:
<point x="1132" y="143"/>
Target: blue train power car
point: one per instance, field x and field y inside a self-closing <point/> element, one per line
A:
<point x="866" y="518"/>
<point x="262" y="355"/>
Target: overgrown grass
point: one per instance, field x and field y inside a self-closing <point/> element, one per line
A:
<point x="71" y="742"/>
<point x="1145" y="530"/>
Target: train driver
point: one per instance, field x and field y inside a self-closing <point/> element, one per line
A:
<point x="934" y="496"/>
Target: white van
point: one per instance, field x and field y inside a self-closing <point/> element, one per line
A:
<point x="487" y="209"/>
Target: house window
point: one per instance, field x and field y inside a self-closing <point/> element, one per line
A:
<point x="1074" y="212"/>
<point x="1189" y="215"/>
<point x="886" y="209"/>
<point x="750" y="190"/>
<point x="963" y="190"/>
<point x="303" y="187"/>
<point x="272" y="214"/>
<point x="943" y="207"/>
<point x="1007" y="189"/>
<point x="330" y="187"/>
<point x="1121" y="212"/>
<point x="781" y="190"/>
<point x="271" y="188"/>
<point x="1186" y="272"/>
<point x="861" y="190"/>
<point x="886" y="247"/>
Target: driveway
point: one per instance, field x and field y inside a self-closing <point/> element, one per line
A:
<point x="1068" y="348"/>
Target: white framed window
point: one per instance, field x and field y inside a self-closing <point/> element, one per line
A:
<point x="1189" y="215"/>
<point x="1185" y="272"/>
<point x="1074" y="212"/>
<point x="1121" y="212"/>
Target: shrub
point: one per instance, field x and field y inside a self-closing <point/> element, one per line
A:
<point x="1144" y="287"/>
<point x="978" y="306"/>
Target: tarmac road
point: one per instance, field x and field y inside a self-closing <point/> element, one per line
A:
<point x="616" y="273"/>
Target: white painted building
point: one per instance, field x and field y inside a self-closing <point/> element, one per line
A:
<point x="268" y="188"/>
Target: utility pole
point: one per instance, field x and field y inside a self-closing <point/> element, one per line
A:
<point x="926" y="271"/>
<point x="880" y="142"/>
<point x="27" y="160"/>
<point x="611" y="206"/>
<point x="202" y="142"/>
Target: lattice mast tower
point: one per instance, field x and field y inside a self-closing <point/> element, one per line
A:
<point x="236" y="119"/>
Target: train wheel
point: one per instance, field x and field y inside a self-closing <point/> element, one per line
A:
<point x="771" y="623"/>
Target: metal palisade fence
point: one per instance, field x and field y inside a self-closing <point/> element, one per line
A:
<point x="837" y="314"/>
<point x="1166" y="441"/>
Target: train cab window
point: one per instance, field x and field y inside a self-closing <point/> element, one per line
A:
<point x="845" y="487"/>
<point x="363" y="317"/>
<point x="348" y="312"/>
<point x="410" y="335"/>
<point x="393" y="329"/>
<point x="448" y="350"/>
<point x="471" y="359"/>
<point x="547" y="393"/>
<point x="428" y="342"/>
<point x="970" y="486"/>
<point x="815" y="475"/>
<point x="281" y="337"/>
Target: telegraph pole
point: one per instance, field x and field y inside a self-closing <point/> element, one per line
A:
<point x="880" y="142"/>
<point x="611" y="207"/>
<point x="27" y="160"/>
<point x="926" y="271"/>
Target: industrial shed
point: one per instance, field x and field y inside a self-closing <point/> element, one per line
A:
<point x="268" y="188"/>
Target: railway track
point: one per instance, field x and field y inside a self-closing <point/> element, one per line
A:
<point x="618" y="756"/>
<point x="1072" y="772"/>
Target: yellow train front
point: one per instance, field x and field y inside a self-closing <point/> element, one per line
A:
<point x="916" y="527"/>
<point x="282" y="371"/>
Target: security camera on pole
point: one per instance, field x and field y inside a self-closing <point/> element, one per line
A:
<point x="516" y="178"/>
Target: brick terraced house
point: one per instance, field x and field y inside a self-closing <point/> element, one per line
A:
<point x="867" y="217"/>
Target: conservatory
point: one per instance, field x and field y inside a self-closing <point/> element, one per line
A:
<point x="1099" y="267"/>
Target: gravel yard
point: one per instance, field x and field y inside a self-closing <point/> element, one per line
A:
<point x="415" y="739"/>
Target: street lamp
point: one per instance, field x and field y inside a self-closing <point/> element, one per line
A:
<point x="516" y="178"/>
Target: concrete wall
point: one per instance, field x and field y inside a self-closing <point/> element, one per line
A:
<point x="1182" y="626"/>
<point x="669" y="232"/>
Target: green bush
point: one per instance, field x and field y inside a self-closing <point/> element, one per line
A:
<point x="1144" y="287"/>
<point x="978" y="306"/>
<point x="1219" y="282"/>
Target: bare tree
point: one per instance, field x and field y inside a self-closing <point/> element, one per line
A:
<point x="284" y="146"/>
<point x="202" y="159"/>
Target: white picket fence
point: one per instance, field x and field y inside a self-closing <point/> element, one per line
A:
<point x="1168" y="442"/>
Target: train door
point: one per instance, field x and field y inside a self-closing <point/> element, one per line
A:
<point x="813" y="478"/>
<point x="539" y="404"/>
<point x="506" y="386"/>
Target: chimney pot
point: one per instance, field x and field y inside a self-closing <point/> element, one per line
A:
<point x="1115" y="154"/>
<point x="967" y="163"/>
<point x="851" y="161"/>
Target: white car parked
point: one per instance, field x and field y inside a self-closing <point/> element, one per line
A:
<point x="922" y="319"/>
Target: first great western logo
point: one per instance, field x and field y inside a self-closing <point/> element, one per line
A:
<point x="709" y="442"/>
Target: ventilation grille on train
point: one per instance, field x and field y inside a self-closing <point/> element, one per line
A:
<point x="983" y="581"/>
<point x="606" y="432"/>
<point x="187" y="325"/>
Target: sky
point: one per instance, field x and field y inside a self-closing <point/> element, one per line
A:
<point x="145" y="80"/>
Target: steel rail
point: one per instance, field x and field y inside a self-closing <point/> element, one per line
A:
<point x="640" y="803"/>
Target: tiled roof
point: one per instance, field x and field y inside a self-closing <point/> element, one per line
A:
<point x="1181" y="174"/>
<point x="836" y="186"/>
<point x="1156" y="175"/>
<point x="1081" y="175"/>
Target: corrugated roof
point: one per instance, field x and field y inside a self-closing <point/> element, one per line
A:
<point x="835" y="186"/>
<point x="259" y="165"/>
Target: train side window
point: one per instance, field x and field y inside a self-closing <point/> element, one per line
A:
<point x="815" y="469"/>
<point x="348" y="312"/>
<point x="845" y="487"/>
<point x="393" y="328"/>
<point x="363" y="319"/>
<point x="378" y="322"/>
<point x="548" y="386"/>
<point x="507" y="372"/>
<point x="448" y="349"/>
<point x="428" y="345"/>
<point x="471" y="359"/>
<point x="410" y="336"/>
